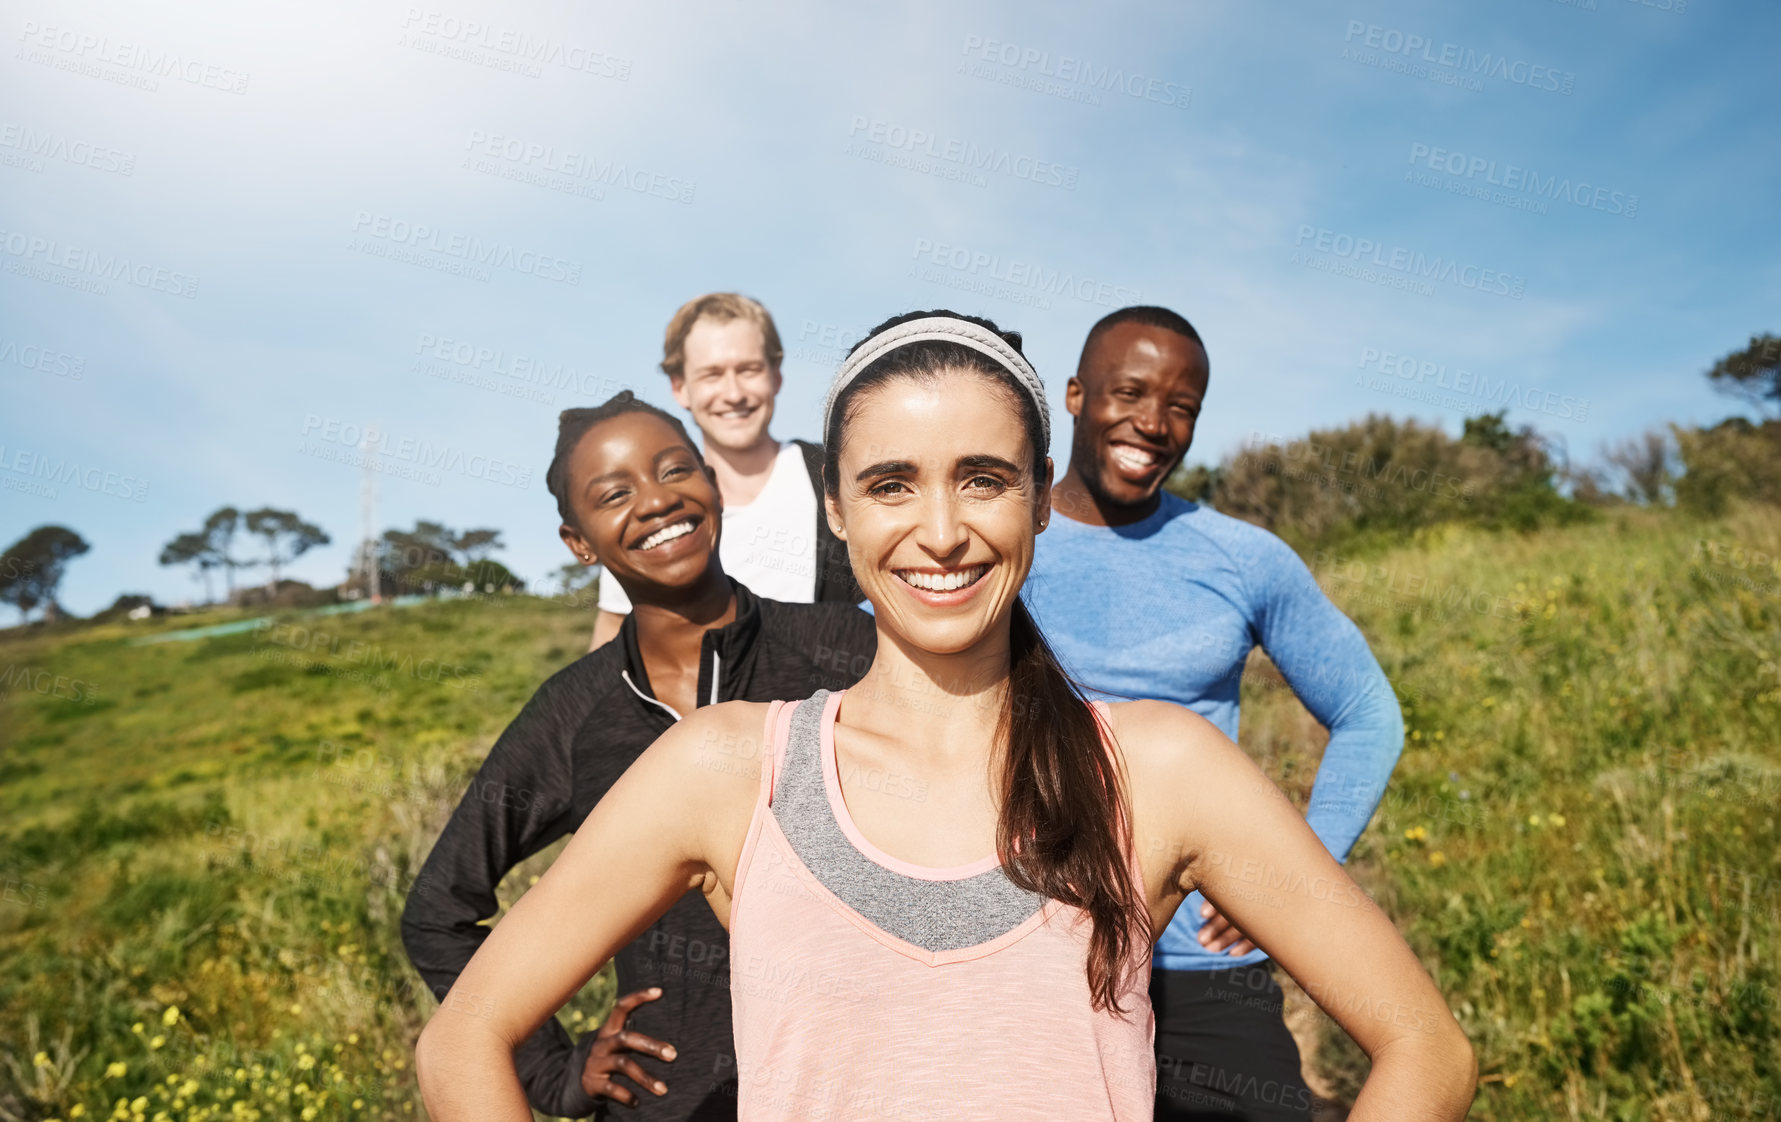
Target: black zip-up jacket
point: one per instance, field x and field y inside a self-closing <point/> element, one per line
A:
<point x="834" y="573"/>
<point x="570" y="743"/>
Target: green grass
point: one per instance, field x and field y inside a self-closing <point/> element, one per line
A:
<point x="226" y="829"/>
<point x="1579" y="840"/>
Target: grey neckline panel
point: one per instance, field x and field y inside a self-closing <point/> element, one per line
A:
<point x="937" y="915"/>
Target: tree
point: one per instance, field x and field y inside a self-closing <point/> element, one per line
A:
<point x="209" y="547"/>
<point x="219" y="532"/>
<point x="1644" y="462"/>
<point x="192" y="549"/>
<point x="476" y="545"/>
<point x="572" y="577"/>
<point x="32" y="568"/>
<point x="433" y="555"/>
<point x="403" y="553"/>
<point x="287" y="536"/>
<point x="1752" y="374"/>
<point x="1732" y="460"/>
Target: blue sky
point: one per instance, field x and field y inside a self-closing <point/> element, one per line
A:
<point x="286" y="203"/>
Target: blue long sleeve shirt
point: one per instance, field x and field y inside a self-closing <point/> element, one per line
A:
<point x="1170" y="607"/>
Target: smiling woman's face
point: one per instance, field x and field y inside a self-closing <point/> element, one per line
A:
<point x="938" y="505"/>
<point x="642" y="504"/>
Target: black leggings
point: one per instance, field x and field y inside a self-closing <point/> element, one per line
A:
<point x="1223" y="1053"/>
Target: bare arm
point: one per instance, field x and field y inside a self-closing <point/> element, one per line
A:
<point x="667" y="826"/>
<point x="606" y="625"/>
<point x="1206" y="818"/>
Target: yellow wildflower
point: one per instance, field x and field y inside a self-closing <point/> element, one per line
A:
<point x="171" y="1016"/>
<point x="1437" y="859"/>
<point x="115" y="1069"/>
<point x="1556" y="819"/>
<point x="157" y="1042"/>
<point x="41" y="1059"/>
<point x="1533" y="820"/>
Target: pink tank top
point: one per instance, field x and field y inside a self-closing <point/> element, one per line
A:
<point x="864" y="987"/>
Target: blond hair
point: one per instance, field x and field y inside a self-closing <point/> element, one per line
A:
<point x="722" y="307"/>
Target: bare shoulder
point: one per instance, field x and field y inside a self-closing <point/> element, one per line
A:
<point x="712" y="757"/>
<point x="1177" y="760"/>
<point x="1162" y="741"/>
<point x="706" y="772"/>
<point x="710" y="723"/>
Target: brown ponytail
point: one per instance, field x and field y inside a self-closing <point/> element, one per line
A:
<point x="1064" y="829"/>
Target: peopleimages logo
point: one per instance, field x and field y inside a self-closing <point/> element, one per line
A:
<point x="27" y="467"/>
<point x="34" y="253"/>
<point x="966" y="155"/>
<point x="1423" y="380"/>
<point x="438" y="353"/>
<point x="1409" y="263"/>
<point x="824" y="344"/>
<point x="1458" y="59"/>
<point x="420" y="237"/>
<point x="522" y="50"/>
<point x="37" y="146"/>
<point x="1022" y="277"/>
<point x="530" y="156"/>
<point x="369" y="443"/>
<point x="1513" y="177"/>
<point x="78" y="47"/>
<point x="49" y="361"/>
<point x="1076" y="79"/>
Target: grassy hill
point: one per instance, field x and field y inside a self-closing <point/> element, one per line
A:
<point x="206" y="844"/>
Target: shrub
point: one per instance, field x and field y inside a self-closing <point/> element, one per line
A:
<point x="1384" y="477"/>
<point x="1733" y="459"/>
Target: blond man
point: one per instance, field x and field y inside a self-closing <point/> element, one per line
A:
<point x="722" y="354"/>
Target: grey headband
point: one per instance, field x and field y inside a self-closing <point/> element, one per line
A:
<point x="949" y="330"/>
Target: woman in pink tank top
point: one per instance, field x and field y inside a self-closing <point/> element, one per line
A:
<point x="942" y="883"/>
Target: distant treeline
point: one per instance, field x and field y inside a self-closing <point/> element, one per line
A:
<point x="1383" y="478"/>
